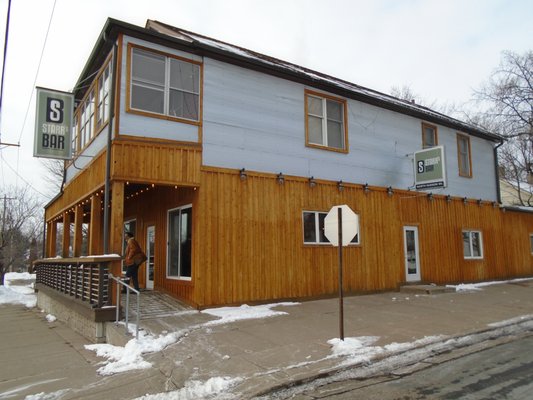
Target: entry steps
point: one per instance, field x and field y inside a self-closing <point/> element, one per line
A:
<point x="425" y="289"/>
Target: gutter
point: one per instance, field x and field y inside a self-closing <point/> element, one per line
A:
<point x="497" y="172"/>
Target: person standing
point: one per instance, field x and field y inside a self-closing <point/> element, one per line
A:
<point x="133" y="258"/>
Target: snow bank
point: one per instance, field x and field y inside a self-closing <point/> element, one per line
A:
<point x="232" y="314"/>
<point x="20" y="293"/>
<point x="212" y="388"/>
<point x="478" y="286"/>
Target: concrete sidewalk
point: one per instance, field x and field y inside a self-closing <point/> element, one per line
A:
<point x="264" y="353"/>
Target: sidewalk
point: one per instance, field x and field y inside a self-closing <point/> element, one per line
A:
<point x="253" y="356"/>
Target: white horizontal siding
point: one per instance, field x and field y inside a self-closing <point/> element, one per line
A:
<point x="256" y="121"/>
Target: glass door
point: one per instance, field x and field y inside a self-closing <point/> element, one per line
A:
<point x="179" y="243"/>
<point x="150" y="258"/>
<point x="411" y="254"/>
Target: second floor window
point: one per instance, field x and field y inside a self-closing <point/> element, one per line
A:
<point x="325" y="121"/>
<point x="429" y="136"/>
<point x="165" y="85"/>
<point x="463" y="155"/>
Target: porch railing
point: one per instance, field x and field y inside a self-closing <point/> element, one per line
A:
<point x="83" y="278"/>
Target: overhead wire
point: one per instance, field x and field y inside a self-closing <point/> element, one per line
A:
<point x="22" y="178"/>
<point x="37" y="72"/>
<point x="15" y="171"/>
<point x="4" y="64"/>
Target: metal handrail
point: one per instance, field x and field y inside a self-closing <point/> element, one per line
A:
<point x="128" y="289"/>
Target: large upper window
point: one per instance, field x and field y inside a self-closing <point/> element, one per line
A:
<point x="164" y="85"/>
<point x="463" y="156"/>
<point x="93" y="111"/>
<point x="104" y="85"/>
<point x="87" y="120"/>
<point x="325" y="126"/>
<point x="472" y="244"/>
<point x="429" y="135"/>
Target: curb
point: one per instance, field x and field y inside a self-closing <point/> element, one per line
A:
<point x="517" y="327"/>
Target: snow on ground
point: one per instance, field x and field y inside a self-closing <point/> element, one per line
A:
<point x="478" y="286"/>
<point x="232" y="314"/>
<point x="198" y="390"/>
<point x="18" y="294"/>
<point x="130" y="357"/>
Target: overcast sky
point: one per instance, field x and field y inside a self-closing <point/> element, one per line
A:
<point x="441" y="49"/>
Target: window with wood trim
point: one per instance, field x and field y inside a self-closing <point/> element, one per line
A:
<point x="103" y="87"/>
<point x="93" y="111"/>
<point x="531" y="243"/>
<point x="313" y="227"/>
<point x="164" y="85"/>
<point x="472" y="245"/>
<point x="325" y="122"/>
<point x="429" y="135"/>
<point x="86" y="119"/>
<point x="464" y="156"/>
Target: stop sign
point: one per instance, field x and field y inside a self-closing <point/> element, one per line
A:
<point x="350" y="225"/>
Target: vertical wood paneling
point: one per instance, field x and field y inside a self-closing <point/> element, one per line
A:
<point x="252" y="248"/>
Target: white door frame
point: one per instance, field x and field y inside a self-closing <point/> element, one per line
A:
<point x="413" y="256"/>
<point x="150" y="260"/>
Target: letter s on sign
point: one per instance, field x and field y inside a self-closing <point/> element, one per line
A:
<point x="421" y="166"/>
<point x="54" y="110"/>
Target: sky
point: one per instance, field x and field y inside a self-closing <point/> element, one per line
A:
<point x="441" y="50"/>
<point x="348" y="352"/>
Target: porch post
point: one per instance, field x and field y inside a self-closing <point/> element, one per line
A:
<point x="78" y="234"/>
<point x="117" y="220"/>
<point x="66" y="235"/>
<point x="51" y="239"/>
<point x="95" y="226"/>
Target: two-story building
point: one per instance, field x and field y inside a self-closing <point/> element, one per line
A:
<point x="224" y="163"/>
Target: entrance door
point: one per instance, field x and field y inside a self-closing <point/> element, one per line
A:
<point x="150" y="246"/>
<point x="411" y="254"/>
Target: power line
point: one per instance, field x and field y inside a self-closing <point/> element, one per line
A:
<point x="37" y="73"/>
<point x="22" y="178"/>
<point x="4" y="63"/>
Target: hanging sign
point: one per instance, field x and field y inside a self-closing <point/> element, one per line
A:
<point x="53" y="124"/>
<point x="430" y="168"/>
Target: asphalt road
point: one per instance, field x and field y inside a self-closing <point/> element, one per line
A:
<point x="500" y="372"/>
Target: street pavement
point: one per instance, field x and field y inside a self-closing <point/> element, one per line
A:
<point x="266" y="354"/>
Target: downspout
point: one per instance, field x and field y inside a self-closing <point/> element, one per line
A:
<point x="108" y="151"/>
<point x="497" y="170"/>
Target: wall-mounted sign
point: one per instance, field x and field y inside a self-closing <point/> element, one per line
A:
<point x="430" y="168"/>
<point x="53" y="124"/>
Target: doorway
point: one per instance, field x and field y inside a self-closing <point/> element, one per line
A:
<point x="150" y="257"/>
<point x="411" y="254"/>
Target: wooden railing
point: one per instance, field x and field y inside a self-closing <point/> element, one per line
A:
<point x="84" y="278"/>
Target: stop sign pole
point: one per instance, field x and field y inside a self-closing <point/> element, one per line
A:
<point x="341" y="296"/>
<point x="340" y="233"/>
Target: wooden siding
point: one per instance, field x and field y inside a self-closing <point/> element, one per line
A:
<point x="152" y="161"/>
<point x="151" y="208"/>
<point x="87" y="182"/>
<point x="135" y="160"/>
<point x="252" y="247"/>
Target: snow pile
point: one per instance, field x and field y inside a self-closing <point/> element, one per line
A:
<point x="478" y="286"/>
<point x="232" y="314"/>
<point x="212" y="388"/>
<point x="51" y="318"/>
<point x="129" y="357"/>
<point x="358" y="350"/>
<point x="18" y="289"/>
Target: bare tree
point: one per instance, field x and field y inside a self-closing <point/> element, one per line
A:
<point x="507" y="100"/>
<point x="55" y="170"/>
<point x="21" y="224"/>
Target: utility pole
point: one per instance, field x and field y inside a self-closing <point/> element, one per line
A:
<point x="4" y="220"/>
